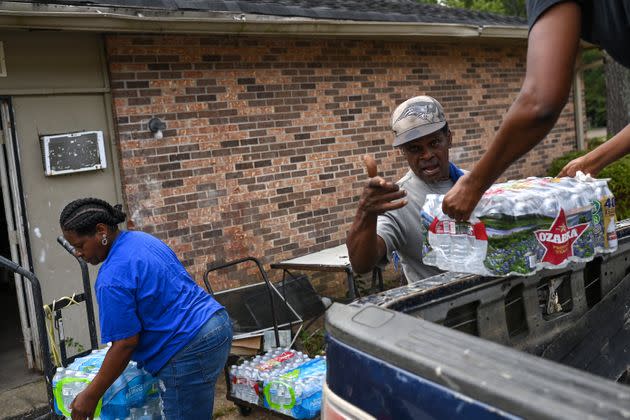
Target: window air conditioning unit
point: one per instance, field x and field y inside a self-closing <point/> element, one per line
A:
<point x="73" y="152"/>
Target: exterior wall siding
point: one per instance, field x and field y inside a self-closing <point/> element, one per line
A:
<point x="264" y="139"/>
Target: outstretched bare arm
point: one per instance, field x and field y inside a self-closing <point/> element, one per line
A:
<point x="365" y="247"/>
<point x="552" y="48"/>
<point x="600" y="157"/>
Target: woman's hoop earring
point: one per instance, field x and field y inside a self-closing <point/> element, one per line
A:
<point x="104" y="240"/>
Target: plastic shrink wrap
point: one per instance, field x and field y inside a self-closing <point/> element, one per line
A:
<point x="522" y="226"/>
<point x="133" y="395"/>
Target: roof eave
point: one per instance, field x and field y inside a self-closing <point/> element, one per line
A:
<point x="14" y="15"/>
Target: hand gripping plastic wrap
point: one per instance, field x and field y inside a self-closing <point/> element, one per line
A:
<point x="134" y="395"/>
<point x="522" y="226"/>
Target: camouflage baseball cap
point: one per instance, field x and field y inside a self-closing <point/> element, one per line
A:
<point x="415" y="118"/>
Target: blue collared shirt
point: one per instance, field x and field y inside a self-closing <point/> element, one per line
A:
<point x="142" y="288"/>
<point x="454" y="172"/>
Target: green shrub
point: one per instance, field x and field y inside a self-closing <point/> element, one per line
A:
<point x="594" y="89"/>
<point x="618" y="172"/>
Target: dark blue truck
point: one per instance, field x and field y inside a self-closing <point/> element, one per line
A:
<point x="552" y="345"/>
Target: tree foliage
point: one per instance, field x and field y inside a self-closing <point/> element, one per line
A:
<point x="594" y="89"/>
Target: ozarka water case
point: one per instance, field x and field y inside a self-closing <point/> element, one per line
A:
<point x="522" y="226"/>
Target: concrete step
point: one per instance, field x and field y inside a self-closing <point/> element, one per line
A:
<point x="24" y="402"/>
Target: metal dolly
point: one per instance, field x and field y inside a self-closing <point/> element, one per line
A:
<point x="253" y="309"/>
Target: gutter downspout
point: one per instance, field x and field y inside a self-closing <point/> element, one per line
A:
<point x="578" y="105"/>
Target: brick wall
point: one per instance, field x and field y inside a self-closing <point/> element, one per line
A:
<point x="262" y="153"/>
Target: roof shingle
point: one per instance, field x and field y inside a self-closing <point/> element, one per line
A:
<point x="357" y="10"/>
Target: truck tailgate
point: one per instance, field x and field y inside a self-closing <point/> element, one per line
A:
<point x="393" y="365"/>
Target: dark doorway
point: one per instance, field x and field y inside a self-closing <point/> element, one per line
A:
<point x="14" y="371"/>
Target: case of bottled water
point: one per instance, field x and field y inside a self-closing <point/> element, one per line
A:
<point x="298" y="392"/>
<point x="522" y="226"/>
<point x="134" y="395"/>
<point x="247" y="379"/>
<point x="282" y="379"/>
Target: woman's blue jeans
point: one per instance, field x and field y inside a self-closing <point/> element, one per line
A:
<point x="187" y="381"/>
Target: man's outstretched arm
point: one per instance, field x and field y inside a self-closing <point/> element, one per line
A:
<point x="552" y="48"/>
<point x="365" y="247"/>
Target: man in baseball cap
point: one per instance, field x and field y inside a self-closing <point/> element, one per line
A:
<point x="387" y="224"/>
<point x="417" y="117"/>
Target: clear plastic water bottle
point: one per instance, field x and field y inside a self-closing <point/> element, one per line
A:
<point x="246" y="384"/>
<point x="611" y="234"/>
<point x="67" y="390"/>
<point x="232" y="379"/>
<point x="59" y="375"/>
<point x="235" y="381"/>
<point x="154" y="407"/>
<point x="242" y="381"/>
<point x="81" y="384"/>
<point x="145" y="413"/>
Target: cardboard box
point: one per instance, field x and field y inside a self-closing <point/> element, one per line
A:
<point x="249" y="346"/>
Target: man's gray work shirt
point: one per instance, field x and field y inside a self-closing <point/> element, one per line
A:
<point x="401" y="228"/>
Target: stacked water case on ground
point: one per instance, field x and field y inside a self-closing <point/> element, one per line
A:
<point x="284" y="380"/>
<point x="522" y="226"/>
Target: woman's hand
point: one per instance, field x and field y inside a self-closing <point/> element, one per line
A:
<point x="583" y="163"/>
<point x="84" y="405"/>
<point x="115" y="361"/>
<point x="603" y="155"/>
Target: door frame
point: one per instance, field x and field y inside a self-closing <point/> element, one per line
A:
<point x="15" y="211"/>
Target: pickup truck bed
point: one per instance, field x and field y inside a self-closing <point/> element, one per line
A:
<point x="552" y="345"/>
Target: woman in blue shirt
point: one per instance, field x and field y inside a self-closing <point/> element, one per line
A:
<point x="152" y="312"/>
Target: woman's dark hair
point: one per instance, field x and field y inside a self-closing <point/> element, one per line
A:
<point x="82" y="215"/>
